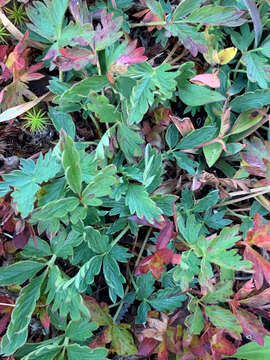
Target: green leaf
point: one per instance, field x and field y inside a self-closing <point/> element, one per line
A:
<point x="167" y="299"/>
<point x="256" y="69"/>
<point x="196" y="95"/>
<point x="82" y="89"/>
<point x="47" y="18"/>
<point x="26" y="180"/>
<point x="100" y="186"/>
<point x="129" y="142"/>
<point x="245" y="121"/>
<point x="212" y="152"/>
<point x="62" y="120"/>
<point x="19" y="272"/>
<point x="80" y="330"/>
<point x="154" y="81"/>
<point x="76" y="352"/>
<point x="195" y="321"/>
<point x="122" y="340"/>
<point x="172" y="136"/>
<point x="71" y="162"/>
<point x="142" y="312"/>
<point x="140" y="203"/>
<point x="17" y="331"/>
<point x="197" y="137"/>
<point x="223" y="318"/>
<point x="113" y="277"/>
<point x="221" y="293"/>
<point x="105" y="111"/>
<point x="192" y="39"/>
<point x="96" y="242"/>
<point x="251" y="100"/>
<point x="37" y="250"/>
<point x="207" y="202"/>
<point x="185" y="7"/>
<point x="253" y="351"/>
<point x="145" y="284"/>
<point x="187" y="269"/>
<point x="216" y="15"/>
<point x="184" y="162"/>
<point x="55" y="209"/>
<point x="155" y="7"/>
<point x="45" y="352"/>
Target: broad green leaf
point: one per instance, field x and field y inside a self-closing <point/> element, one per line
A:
<point x="167" y="299"/>
<point x="55" y="209"/>
<point x="76" y="351"/>
<point x="223" y="319"/>
<point x="251" y="100"/>
<point x="19" y="272"/>
<point x="62" y="120"/>
<point x="265" y="48"/>
<point x="185" y="7"/>
<point x="195" y="321"/>
<point x="27" y="180"/>
<point x="172" y="135"/>
<point x="196" y="95"/>
<point x="212" y="152"/>
<point x="122" y="340"/>
<point x="129" y="142"/>
<point x="216" y="15"/>
<point x="221" y="293"/>
<point x="80" y="330"/>
<point x="145" y="284"/>
<point x="99" y="186"/>
<point x="257" y="69"/>
<point x="82" y="89"/>
<point x="185" y="162"/>
<point x="47" y="18"/>
<point x="142" y="312"/>
<point x="139" y="202"/>
<point x="245" y="121"/>
<point x="17" y="331"/>
<point x="71" y="163"/>
<point x="197" y="137"/>
<point x="253" y="351"/>
<point x="37" y="250"/>
<point x="105" y="111"/>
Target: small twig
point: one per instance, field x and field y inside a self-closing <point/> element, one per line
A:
<point x="143" y="247"/>
<point x="4" y="304"/>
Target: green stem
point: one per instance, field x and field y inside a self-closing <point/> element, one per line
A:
<point x="120" y="305"/>
<point x="143" y="247"/>
<point x="122" y="233"/>
<point x="96" y="125"/>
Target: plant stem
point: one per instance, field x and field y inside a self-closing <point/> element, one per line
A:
<point x="143" y="246"/>
<point x="96" y="125"/>
<point x="122" y="233"/>
<point x="120" y="305"/>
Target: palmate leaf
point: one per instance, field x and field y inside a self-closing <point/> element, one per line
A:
<point x="139" y="202"/>
<point x="47" y="18"/>
<point x="17" y="331"/>
<point x="26" y="180"/>
<point x="257" y="69"/>
<point x="155" y="81"/>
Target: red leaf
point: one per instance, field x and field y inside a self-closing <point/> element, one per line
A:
<point x="210" y="80"/>
<point x="258" y="300"/>
<point x="251" y="325"/>
<point x="220" y="345"/>
<point x="44" y="318"/>
<point x="155" y="263"/>
<point x="4" y="322"/>
<point x="184" y="126"/>
<point x="261" y="266"/>
<point x="165" y="234"/>
<point x="147" y="347"/>
<point x="259" y="234"/>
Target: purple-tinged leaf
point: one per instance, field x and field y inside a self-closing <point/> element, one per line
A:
<point x="255" y="16"/>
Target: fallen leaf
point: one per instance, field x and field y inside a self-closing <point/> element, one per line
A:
<point x="210" y="80"/>
<point x="224" y="56"/>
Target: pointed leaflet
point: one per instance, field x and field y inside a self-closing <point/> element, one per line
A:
<point x="154" y="81"/>
<point x="76" y="351"/>
<point x="26" y="180"/>
<point x="47" y="18"/>
<point x="253" y="351"/>
<point x="186" y="7"/>
<point x="139" y="202"/>
<point x="257" y="69"/>
<point x="71" y="162"/>
<point x="257" y="23"/>
<point x="19" y="272"/>
<point x="17" y="331"/>
<point x="99" y="186"/>
<point x="223" y="319"/>
<point x="129" y="142"/>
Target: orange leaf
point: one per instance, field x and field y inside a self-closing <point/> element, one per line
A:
<point x="259" y="234"/>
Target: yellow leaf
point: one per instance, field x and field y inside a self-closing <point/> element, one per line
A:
<point x="224" y="56"/>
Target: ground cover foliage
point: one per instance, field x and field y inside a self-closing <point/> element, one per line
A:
<point x="134" y="179"/>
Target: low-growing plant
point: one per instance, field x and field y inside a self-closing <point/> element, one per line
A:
<point x="137" y="211"/>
